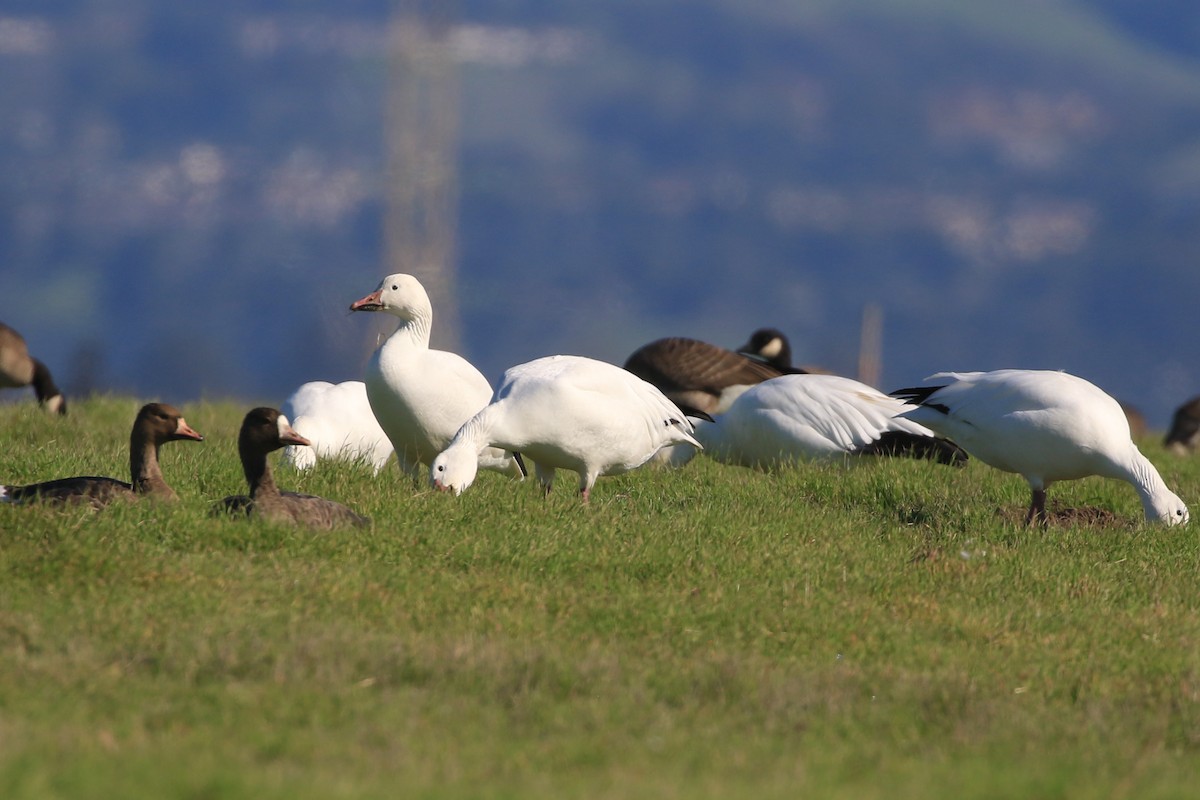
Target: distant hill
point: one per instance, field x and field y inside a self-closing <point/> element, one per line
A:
<point x="194" y="195"/>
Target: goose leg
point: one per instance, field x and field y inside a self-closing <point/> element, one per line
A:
<point x="1037" y="508"/>
<point x="545" y="476"/>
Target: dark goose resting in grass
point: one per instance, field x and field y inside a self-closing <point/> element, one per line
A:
<point x="156" y="424"/>
<point x="263" y="431"/>
<point x="1045" y="426"/>
<point x="18" y="368"/>
<point x="702" y="376"/>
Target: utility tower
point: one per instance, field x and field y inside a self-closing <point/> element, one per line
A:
<point x="421" y="141"/>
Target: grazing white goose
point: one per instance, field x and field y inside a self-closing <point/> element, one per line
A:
<point x="1046" y="426"/>
<point x="338" y="422"/>
<point x="817" y="417"/>
<point x="571" y="412"/>
<point x="18" y="368"/>
<point x="421" y="397"/>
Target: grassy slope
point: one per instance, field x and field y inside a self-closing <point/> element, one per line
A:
<point x="881" y="631"/>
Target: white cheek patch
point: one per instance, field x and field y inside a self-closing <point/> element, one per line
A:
<point x="54" y="404"/>
<point x="771" y="349"/>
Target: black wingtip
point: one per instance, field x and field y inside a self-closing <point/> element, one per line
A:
<point x="913" y="445"/>
<point x="919" y="396"/>
<point x="521" y="465"/>
<point x="690" y="411"/>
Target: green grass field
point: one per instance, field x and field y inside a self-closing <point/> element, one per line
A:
<point x="887" y="630"/>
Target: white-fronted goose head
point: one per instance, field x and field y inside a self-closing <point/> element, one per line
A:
<point x="1184" y="435"/>
<point x="18" y="368"/>
<point x="698" y="375"/>
<point x="156" y="424"/>
<point x="263" y="431"/>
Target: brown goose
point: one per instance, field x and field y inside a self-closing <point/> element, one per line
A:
<point x="156" y="424"/>
<point x="702" y="376"/>
<point x="265" y="430"/>
<point x="18" y="368"/>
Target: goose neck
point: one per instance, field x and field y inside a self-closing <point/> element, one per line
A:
<point x="145" y="473"/>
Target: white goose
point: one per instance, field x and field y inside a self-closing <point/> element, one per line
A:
<point x="1046" y="426"/>
<point x="421" y="397"/>
<point x="338" y="422"/>
<point x="816" y="417"/>
<point x="571" y="412"/>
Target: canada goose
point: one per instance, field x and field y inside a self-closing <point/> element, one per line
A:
<point x="156" y="424"/>
<point x="571" y="412"/>
<point x="18" y="368"/>
<point x="263" y="431"/>
<point x="1184" y="435"/>
<point x="702" y="376"/>
<point x="1046" y="426"/>
<point x="421" y="397"/>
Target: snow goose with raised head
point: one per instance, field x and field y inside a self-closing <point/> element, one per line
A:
<point x="567" y="412"/>
<point x="815" y="417"/>
<point x="1045" y="426"/>
<point x="421" y="397"/>
<point x="18" y="368"/>
<point x="338" y="423"/>
<point x="263" y="431"/>
<point x="156" y="424"/>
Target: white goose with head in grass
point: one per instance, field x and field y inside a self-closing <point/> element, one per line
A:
<point x="421" y="397"/>
<point x="337" y="421"/>
<point x="567" y="412"/>
<point x="817" y="417"/>
<point x="1046" y="426"/>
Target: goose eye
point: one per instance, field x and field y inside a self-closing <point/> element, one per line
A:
<point x="395" y="287"/>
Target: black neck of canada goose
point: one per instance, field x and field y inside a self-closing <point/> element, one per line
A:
<point x="45" y="389"/>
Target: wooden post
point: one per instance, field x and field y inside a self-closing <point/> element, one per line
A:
<point x="421" y="140"/>
<point x="870" y="353"/>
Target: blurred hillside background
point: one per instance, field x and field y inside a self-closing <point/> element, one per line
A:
<point x="193" y="193"/>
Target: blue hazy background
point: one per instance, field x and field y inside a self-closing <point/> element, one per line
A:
<point x="191" y="194"/>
